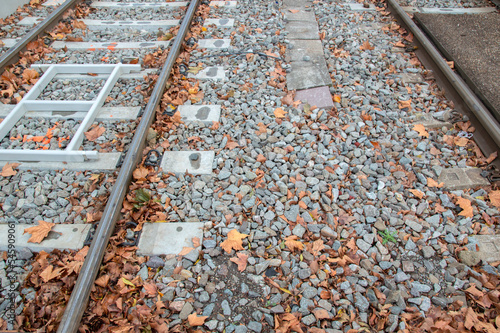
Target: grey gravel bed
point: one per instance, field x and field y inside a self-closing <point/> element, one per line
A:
<point x="15" y="30"/>
<point x="354" y="168"/>
<point x="125" y="35"/>
<point x="135" y="13"/>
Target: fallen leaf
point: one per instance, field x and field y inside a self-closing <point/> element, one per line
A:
<point x="8" y="169"/>
<point x="366" y="46"/>
<point x="294" y="11"/>
<point x="494" y="198"/>
<point x="293" y="244"/>
<point x="30" y="75"/>
<point x="421" y="130"/>
<point x="465" y="204"/>
<point x="102" y="281"/>
<point x="151" y="289"/>
<point x="321" y="314"/>
<point x="405" y="104"/>
<point x="279" y="113"/>
<point x="195" y="320"/>
<point x="185" y="250"/>
<point x="234" y="241"/>
<point x="50" y="273"/>
<point x="94" y="133"/>
<point x="140" y="173"/>
<point x="419" y="194"/>
<point x="432" y="183"/>
<point x="39" y="232"/>
<point x="462" y="142"/>
<point x="241" y="261"/>
<point x="196" y="242"/>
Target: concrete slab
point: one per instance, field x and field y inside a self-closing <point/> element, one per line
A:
<point x="100" y="24"/>
<point x="106" y="161"/>
<point x="108" y="45"/>
<point x="458" y="11"/>
<point x="226" y="4"/>
<point x="193" y="162"/>
<point x="214" y="44"/>
<point x="319" y="96"/>
<point x="489" y="250"/>
<point x="220" y="23"/>
<point x="430" y="122"/>
<point x="359" y="7"/>
<point x="8" y="42"/>
<point x="128" y="76"/>
<point x="9" y="6"/>
<point x="204" y="113"/>
<point x="303" y="14"/>
<point x="53" y="3"/>
<point x="210" y="73"/>
<point x="410" y="9"/>
<point x="462" y="178"/>
<point x="168" y="238"/>
<point x="139" y="4"/>
<point x="411" y="78"/>
<point x="296" y="3"/>
<point x="302" y="30"/>
<point x="308" y="74"/>
<point x="299" y="48"/>
<point x="105" y="113"/>
<point x="62" y="237"/>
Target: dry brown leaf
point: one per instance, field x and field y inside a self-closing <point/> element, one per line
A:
<point x="465" y="204"/>
<point x="8" y="169"/>
<point x="434" y="151"/>
<point x="317" y="246"/>
<point x="405" y="104"/>
<point x="432" y="183"/>
<point x="279" y="113"/>
<point x="102" y="281"/>
<point x="151" y="289"/>
<point x="321" y="314"/>
<point x="50" y="273"/>
<point x="494" y="198"/>
<point x="293" y="244"/>
<point x="234" y="241"/>
<point x="30" y="75"/>
<point x="196" y="242"/>
<point x="366" y="46"/>
<point x="419" y="194"/>
<point x="79" y="25"/>
<point x="421" y="130"/>
<point x="294" y="11"/>
<point x="241" y="261"/>
<point x="185" y="250"/>
<point x="462" y="142"/>
<point x="39" y="232"/>
<point x="140" y="173"/>
<point x="94" y="133"/>
<point x="195" y="320"/>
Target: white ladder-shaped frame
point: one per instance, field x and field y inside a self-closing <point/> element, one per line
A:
<point x="29" y="103"/>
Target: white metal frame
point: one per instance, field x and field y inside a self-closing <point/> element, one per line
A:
<point x="29" y="103"/>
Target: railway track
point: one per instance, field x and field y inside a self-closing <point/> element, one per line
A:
<point x="225" y="166"/>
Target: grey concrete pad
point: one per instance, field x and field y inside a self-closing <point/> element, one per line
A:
<point x="319" y="97"/>
<point x="8" y="42"/>
<point x="462" y="178"/>
<point x="106" y="113"/>
<point x="299" y="48"/>
<point x="51" y="3"/>
<point x="127" y="76"/>
<point x="410" y="9"/>
<point x="411" y="78"/>
<point x="62" y="237"/>
<point x="108" y="45"/>
<point x="359" y="7"/>
<point x="9" y="6"/>
<point x="302" y="30"/>
<point x="148" y="5"/>
<point x="302" y="14"/>
<point x="489" y="250"/>
<point x="430" y="122"/>
<point x="296" y="3"/>
<point x="210" y="73"/>
<point x="100" y="24"/>
<point x="193" y="162"/>
<point x="214" y="44"/>
<point x="221" y="23"/>
<point x="204" y="113"/>
<point x="458" y="11"/>
<point x="226" y="4"/>
<point x="105" y="161"/>
<point x="168" y="238"/>
<point x="308" y="74"/>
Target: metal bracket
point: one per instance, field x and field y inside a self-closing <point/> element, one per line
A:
<point x="30" y="103"/>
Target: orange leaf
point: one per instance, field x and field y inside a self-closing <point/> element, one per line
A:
<point x="321" y="314"/>
<point x="466" y="206"/>
<point x="140" y="173"/>
<point x="94" y="133"/>
<point x="494" y="198"/>
<point x="50" y="273"/>
<point x="151" y="289"/>
<point x="302" y="204"/>
<point x="337" y="98"/>
<point x="419" y="194"/>
<point x="8" y="169"/>
<point x="434" y="151"/>
<point x="421" y="130"/>
<point x="279" y="113"/>
<point x="196" y="242"/>
<point x="462" y="142"/>
<point x="375" y="144"/>
<point x="102" y="281"/>
<point x="366" y="46"/>
<point x="432" y="183"/>
<point x="30" y="75"/>
<point x="293" y="244"/>
<point x="185" y="250"/>
<point x="234" y="241"/>
<point x="405" y="104"/>
<point x="294" y="11"/>
<point x="241" y="261"/>
<point x="39" y="232"/>
<point x="194" y="320"/>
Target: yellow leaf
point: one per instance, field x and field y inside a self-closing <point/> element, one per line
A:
<point x="279" y="113"/>
<point x="39" y="232"/>
<point x="234" y="241"/>
<point x="285" y="290"/>
<point x="421" y="130"/>
<point x="194" y="70"/>
<point x="195" y="320"/>
<point x="337" y="98"/>
<point x="127" y="282"/>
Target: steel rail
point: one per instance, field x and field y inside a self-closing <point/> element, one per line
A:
<point x="12" y="55"/>
<point x="81" y="292"/>
<point x="471" y="101"/>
